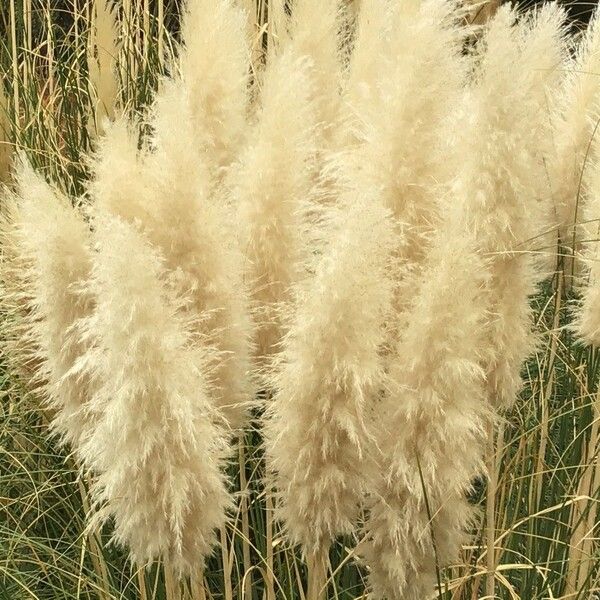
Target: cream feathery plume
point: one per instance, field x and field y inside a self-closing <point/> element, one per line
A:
<point x="271" y="187"/>
<point x="433" y="426"/>
<point x="576" y="117"/>
<point x="156" y="452"/>
<point x="168" y="191"/>
<point x="402" y="154"/>
<point x="196" y="230"/>
<point x="215" y="62"/>
<point x="543" y="55"/>
<point x="497" y="188"/>
<point x="326" y="380"/>
<point x="314" y="27"/>
<point x="120" y="182"/>
<point x="402" y="149"/>
<point x="45" y="264"/>
<point x="371" y="37"/>
<point x="103" y="51"/>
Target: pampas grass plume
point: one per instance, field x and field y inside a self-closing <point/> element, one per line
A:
<point x="314" y="27"/>
<point x="498" y="190"/>
<point x="272" y="187"/>
<point x="46" y="263"/>
<point x="587" y="321"/>
<point x="214" y="64"/>
<point x="402" y="151"/>
<point x="577" y="111"/>
<point x="433" y="423"/>
<point x="371" y="35"/>
<point x="156" y="450"/>
<point x="317" y="431"/>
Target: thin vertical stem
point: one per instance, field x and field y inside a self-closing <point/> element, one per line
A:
<point x="227" y="586"/>
<point x="197" y="584"/>
<point x="317" y="575"/>
<point x="270" y="562"/>
<point x="160" y="32"/>
<point x="490" y="504"/>
<point x="142" y="583"/>
<point x="245" y="520"/>
<point x="146" y="18"/>
<point x="50" y="52"/>
<point x="171" y="585"/>
<point x="28" y="40"/>
<point x="15" y="59"/>
<point x="94" y="545"/>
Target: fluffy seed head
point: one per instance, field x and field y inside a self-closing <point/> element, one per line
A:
<point x="45" y="264"/>
<point x="271" y="188"/>
<point x="432" y="425"/>
<point x="156" y="451"/>
<point x="317" y="433"/>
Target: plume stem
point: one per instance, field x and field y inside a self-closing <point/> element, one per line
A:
<point x="142" y="583"/>
<point x="490" y="507"/>
<point x="269" y="524"/>
<point x="228" y="589"/>
<point x="317" y="574"/>
<point x="245" y="521"/>
<point x="198" y="590"/>
<point x="171" y="590"/>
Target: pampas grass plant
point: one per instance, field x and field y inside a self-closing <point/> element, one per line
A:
<point x="363" y="197"/>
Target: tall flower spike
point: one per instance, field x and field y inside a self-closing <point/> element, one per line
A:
<point x="215" y="63"/>
<point x="156" y="450"/>
<point x="371" y="37"/>
<point x="543" y="52"/>
<point x="403" y="151"/>
<point x="195" y="230"/>
<point x="314" y="26"/>
<point x="169" y="192"/>
<point x="45" y="264"/>
<point x="271" y="188"/>
<point x="317" y="432"/>
<point x="434" y="419"/>
<point x="577" y="113"/>
<point x="497" y="190"/>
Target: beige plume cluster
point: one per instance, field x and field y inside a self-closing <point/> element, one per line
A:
<point x="350" y="230"/>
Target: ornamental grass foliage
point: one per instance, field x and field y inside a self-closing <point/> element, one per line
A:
<point x="299" y="300"/>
